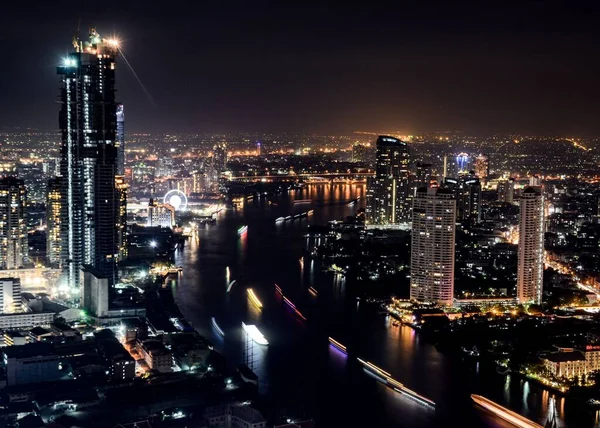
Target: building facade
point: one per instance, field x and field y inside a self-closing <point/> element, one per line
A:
<point x="10" y="295"/>
<point x="531" y="246"/>
<point x="14" y="247"/>
<point x="388" y="192"/>
<point x="88" y="123"/>
<point x="432" y="250"/>
<point x="53" y="222"/>
<point x="219" y="159"/>
<point x="506" y="191"/>
<point x="122" y="189"/>
<point x="120" y="143"/>
<point x="482" y="167"/>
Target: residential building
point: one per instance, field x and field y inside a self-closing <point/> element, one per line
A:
<point x="388" y="192"/>
<point x="432" y="250"/>
<point x="14" y="248"/>
<point x="53" y="222"/>
<point x="531" y="246"/>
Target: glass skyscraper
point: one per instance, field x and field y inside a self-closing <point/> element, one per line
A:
<point x="88" y="123"/>
<point x="388" y="192"/>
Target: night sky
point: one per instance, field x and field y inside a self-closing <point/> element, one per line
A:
<point x="303" y="66"/>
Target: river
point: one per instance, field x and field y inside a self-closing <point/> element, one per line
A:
<point x="298" y="371"/>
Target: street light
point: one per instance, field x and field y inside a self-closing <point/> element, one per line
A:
<point x="153" y="244"/>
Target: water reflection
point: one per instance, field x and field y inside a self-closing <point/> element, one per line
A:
<point x="298" y="357"/>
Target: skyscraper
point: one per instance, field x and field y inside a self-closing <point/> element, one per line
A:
<point x="432" y="249"/>
<point x="53" y="222"/>
<point x="120" y="143"/>
<point x="220" y="157"/>
<point x="467" y="190"/>
<point x="122" y="187"/>
<point x="531" y="246"/>
<point x="482" y="167"/>
<point x="14" y="248"/>
<point x="388" y="193"/>
<point x="506" y="190"/>
<point x="88" y="122"/>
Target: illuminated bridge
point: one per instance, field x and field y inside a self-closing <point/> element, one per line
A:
<point x="315" y="178"/>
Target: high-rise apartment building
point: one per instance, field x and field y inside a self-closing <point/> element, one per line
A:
<point x="219" y="160"/>
<point x="506" y="190"/>
<point x="388" y="192"/>
<point x="53" y="221"/>
<point x="432" y="249"/>
<point x="88" y="122"/>
<point x="14" y="248"/>
<point x="120" y="143"/>
<point x="482" y="167"/>
<point x="121" y="187"/>
<point x="467" y="190"/>
<point x="531" y="246"/>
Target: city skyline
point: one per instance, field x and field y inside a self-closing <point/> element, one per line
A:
<point x="309" y="68"/>
<point x="300" y="276"/>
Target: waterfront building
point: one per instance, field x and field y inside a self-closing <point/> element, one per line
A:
<point x="122" y="188"/>
<point x="120" y="142"/>
<point x="14" y="248"/>
<point x="388" y="192"/>
<point x="162" y="215"/>
<point x="10" y="295"/>
<point x="506" y="190"/>
<point x="53" y="222"/>
<point x="88" y="123"/>
<point x="531" y="246"/>
<point x="219" y="159"/>
<point x="432" y="250"/>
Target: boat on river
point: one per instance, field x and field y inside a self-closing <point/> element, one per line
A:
<point x="503" y="413"/>
<point x="216" y="326"/>
<point x="247" y="375"/>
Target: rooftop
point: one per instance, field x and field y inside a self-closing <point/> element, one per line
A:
<point x="42" y="349"/>
<point x="563" y="357"/>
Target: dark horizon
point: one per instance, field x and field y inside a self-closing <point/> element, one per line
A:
<point x="315" y="68"/>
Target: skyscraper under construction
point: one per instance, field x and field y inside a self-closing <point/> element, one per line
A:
<point x="88" y="123"/>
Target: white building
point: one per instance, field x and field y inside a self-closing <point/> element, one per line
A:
<point x="162" y="215"/>
<point x="10" y="295"/>
<point x="432" y="251"/>
<point x="94" y="296"/>
<point x="26" y="319"/>
<point x="531" y="246"/>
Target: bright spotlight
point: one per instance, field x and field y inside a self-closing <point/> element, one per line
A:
<point x="153" y="244"/>
<point x="114" y="42"/>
